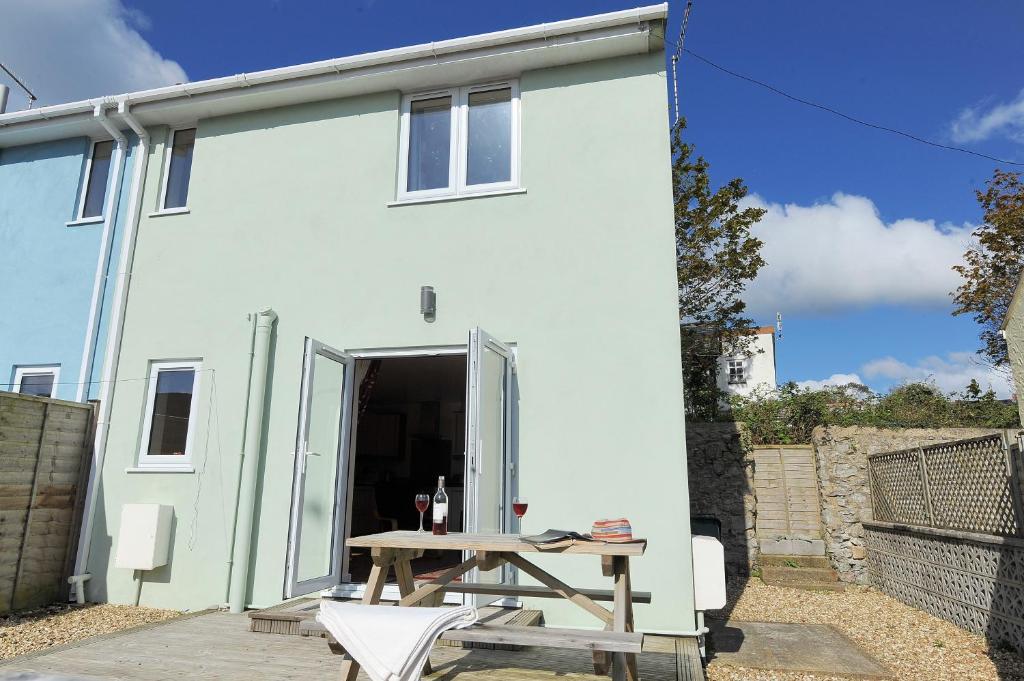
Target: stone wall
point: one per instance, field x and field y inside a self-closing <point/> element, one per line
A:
<point x="843" y="483"/>
<point x="721" y="470"/>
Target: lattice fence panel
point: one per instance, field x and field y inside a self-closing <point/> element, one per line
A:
<point x="897" y="487"/>
<point x="970" y="486"/>
<point x="967" y="485"/>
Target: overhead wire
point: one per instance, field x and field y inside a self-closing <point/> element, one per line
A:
<point x="681" y="49"/>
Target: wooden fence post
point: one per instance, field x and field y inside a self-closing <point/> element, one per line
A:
<point x="1012" y="452"/>
<point x="925" y="489"/>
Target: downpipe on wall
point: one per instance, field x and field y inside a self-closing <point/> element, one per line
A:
<point x="113" y="348"/>
<point x="99" y="282"/>
<point x="247" y="478"/>
<point x="253" y="317"/>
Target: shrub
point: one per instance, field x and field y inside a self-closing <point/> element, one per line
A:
<point x="790" y="413"/>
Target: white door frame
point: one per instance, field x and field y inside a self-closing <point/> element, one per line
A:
<point x="345" y="589"/>
<point x="293" y="587"/>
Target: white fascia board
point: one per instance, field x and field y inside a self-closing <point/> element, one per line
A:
<point x="501" y="53"/>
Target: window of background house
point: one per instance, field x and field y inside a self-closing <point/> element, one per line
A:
<point x="737" y="371"/>
<point x="170" y="414"/>
<point x="179" y="168"/>
<point x="460" y="141"/>
<point x="38" y="380"/>
<point x="94" y="188"/>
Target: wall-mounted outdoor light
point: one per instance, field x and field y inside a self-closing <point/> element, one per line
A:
<point x="428" y="303"/>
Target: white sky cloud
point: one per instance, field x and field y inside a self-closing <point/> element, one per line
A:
<point x="840" y="255"/>
<point x="950" y="373"/>
<point x="833" y="380"/>
<point x="67" y="50"/>
<point x="976" y="124"/>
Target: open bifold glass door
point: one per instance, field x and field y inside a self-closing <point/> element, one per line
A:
<point x="318" y="495"/>
<point x="489" y="388"/>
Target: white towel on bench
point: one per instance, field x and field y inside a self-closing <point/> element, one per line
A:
<point x="391" y="643"/>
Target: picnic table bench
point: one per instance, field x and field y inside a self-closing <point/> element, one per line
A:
<point x="616" y="647"/>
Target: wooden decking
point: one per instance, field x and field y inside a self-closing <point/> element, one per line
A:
<point x="219" y="646"/>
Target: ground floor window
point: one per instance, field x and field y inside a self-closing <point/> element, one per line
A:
<point x="36" y="380"/>
<point x="169" y="418"/>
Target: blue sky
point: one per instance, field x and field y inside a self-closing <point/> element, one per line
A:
<point x="863" y="225"/>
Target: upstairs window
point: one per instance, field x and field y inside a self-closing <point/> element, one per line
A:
<point x="40" y="381"/>
<point x="179" y="169"/>
<point x="97" y="173"/>
<point x="737" y="371"/>
<point x="170" y="414"/>
<point x="460" y="141"/>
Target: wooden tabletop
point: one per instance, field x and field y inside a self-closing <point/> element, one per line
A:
<point x="460" y="541"/>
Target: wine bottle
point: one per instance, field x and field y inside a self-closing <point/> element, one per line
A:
<point x="440" y="523"/>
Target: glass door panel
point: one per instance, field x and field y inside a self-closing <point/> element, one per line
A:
<point x="314" y="551"/>
<point x="488" y="434"/>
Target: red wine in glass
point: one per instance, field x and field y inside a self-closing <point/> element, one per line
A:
<point x="519" y="506"/>
<point x="422" y="504"/>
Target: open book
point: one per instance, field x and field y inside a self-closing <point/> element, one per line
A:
<point x="556" y="537"/>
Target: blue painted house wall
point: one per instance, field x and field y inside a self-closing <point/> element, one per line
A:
<point x="48" y="268"/>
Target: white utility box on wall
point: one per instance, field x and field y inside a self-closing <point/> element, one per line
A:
<point x="708" y="573"/>
<point x="144" y="537"/>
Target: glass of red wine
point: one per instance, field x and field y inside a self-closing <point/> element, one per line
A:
<point x="519" y="505"/>
<point x="422" y="504"/>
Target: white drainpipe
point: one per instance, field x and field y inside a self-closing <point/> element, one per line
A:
<point x="114" y="336"/>
<point x="246" y="499"/>
<point x="109" y="220"/>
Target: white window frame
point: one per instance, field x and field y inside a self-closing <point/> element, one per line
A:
<point x="79" y="217"/>
<point x="20" y="372"/>
<point x="458" y="154"/>
<point x="169" y="461"/>
<point x="168" y="153"/>
<point x="740" y="364"/>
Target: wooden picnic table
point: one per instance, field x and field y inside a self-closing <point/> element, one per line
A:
<point x="615" y="647"/>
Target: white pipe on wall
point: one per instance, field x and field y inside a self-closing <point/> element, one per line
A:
<point x="109" y="220"/>
<point x="253" y="317"/>
<point x="116" y="333"/>
<point x="250" y="461"/>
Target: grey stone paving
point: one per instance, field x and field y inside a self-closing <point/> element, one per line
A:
<point x="792" y="647"/>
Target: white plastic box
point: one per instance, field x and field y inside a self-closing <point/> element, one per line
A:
<point x="708" y="573"/>
<point x="144" y="537"/>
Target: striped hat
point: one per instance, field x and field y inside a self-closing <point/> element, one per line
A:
<point x="614" y="531"/>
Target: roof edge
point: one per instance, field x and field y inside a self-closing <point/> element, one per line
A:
<point x="398" y="55"/>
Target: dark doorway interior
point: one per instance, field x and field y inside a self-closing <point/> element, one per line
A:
<point x="410" y="430"/>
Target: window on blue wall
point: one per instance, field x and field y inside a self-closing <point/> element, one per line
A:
<point x="96" y="177"/>
<point x="40" y="381"/>
<point x="179" y="169"/>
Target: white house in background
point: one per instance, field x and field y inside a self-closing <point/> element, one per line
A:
<point x="754" y="368"/>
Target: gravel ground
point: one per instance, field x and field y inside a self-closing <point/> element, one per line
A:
<point x="32" y="630"/>
<point x="912" y="644"/>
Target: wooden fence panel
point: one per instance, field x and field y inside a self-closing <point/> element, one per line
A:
<point x="45" y="454"/>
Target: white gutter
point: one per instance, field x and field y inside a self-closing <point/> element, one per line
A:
<point x="248" y="476"/>
<point x="114" y="336"/>
<point x="433" y="50"/>
<point x="109" y="220"/>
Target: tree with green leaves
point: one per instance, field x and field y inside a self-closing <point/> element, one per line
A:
<point x="993" y="264"/>
<point x="716" y="257"/>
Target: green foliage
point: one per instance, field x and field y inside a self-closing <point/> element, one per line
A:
<point x="789" y="415"/>
<point x="994" y="264"/>
<point x="716" y="256"/>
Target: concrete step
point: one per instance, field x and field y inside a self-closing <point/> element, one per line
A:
<point x="802" y="578"/>
<point x="792" y="547"/>
<point x="796" y="561"/>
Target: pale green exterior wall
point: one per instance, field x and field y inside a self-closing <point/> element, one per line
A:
<point x="289" y="210"/>
<point x="1014" y="330"/>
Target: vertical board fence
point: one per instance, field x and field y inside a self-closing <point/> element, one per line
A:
<point x="948" y="536"/>
<point x="45" y="456"/>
